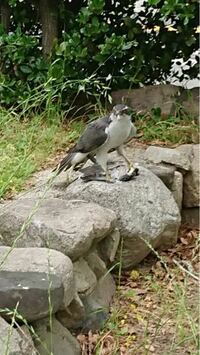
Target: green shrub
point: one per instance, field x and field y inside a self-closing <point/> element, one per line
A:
<point x="22" y="67"/>
<point x="100" y="44"/>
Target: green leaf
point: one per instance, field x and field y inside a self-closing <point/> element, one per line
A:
<point x="153" y="2"/>
<point x="127" y="46"/>
<point x="95" y="21"/>
<point x="25" y="69"/>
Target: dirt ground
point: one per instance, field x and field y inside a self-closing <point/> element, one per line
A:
<point x="155" y="309"/>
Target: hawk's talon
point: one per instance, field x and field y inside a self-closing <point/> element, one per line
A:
<point x="109" y="180"/>
<point x="130" y="175"/>
<point x="136" y="171"/>
<point x="133" y="171"/>
<point x="108" y="176"/>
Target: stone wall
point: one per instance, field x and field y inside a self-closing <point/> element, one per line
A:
<point x="56" y="249"/>
<point x="185" y="187"/>
<point x="169" y="98"/>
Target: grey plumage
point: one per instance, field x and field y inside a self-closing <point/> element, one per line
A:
<point x="100" y="136"/>
<point x="93" y="136"/>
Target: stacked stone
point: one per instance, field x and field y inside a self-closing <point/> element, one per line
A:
<point x="56" y="249"/>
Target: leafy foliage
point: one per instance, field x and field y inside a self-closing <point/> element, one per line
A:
<point x="22" y="67"/>
<point x="109" y="37"/>
<point x="101" y="43"/>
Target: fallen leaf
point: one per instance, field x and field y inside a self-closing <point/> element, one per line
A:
<point x="184" y="241"/>
<point x="134" y="275"/>
<point x="140" y="291"/>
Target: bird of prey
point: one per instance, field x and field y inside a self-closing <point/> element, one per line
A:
<point x="99" y="138"/>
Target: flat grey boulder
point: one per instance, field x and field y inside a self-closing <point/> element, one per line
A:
<point x="177" y="157"/>
<point x="67" y="226"/>
<point x="15" y="341"/>
<point x="53" y="338"/>
<point x="28" y="291"/>
<point x="145" y="208"/>
<point x="30" y="278"/>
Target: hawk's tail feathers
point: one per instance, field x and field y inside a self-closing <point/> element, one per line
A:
<point x="64" y="164"/>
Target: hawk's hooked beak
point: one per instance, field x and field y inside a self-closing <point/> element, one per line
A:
<point x="124" y="111"/>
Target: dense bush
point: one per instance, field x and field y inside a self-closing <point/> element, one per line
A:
<point x="21" y="67"/>
<point x="100" y="43"/>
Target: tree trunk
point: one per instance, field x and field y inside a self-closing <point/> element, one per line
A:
<point x="5" y="15"/>
<point x="49" y="21"/>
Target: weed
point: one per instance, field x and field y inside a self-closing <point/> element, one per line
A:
<point x="157" y="312"/>
<point x="171" y="129"/>
<point x="26" y="145"/>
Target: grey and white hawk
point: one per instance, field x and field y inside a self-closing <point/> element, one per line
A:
<point x="99" y="138"/>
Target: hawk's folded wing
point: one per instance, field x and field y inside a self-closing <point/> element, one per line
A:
<point x="93" y="137"/>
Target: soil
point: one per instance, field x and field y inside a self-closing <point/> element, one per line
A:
<point x="155" y="309"/>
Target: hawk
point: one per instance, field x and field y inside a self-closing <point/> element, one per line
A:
<point x="99" y="138"/>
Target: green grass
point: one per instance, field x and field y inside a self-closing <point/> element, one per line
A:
<point x="27" y="145"/>
<point x="140" y="321"/>
<point x="169" y="130"/>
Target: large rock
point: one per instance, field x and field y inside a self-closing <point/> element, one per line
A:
<point x="67" y="226"/>
<point x="85" y="279"/>
<point x="191" y="216"/>
<point x="145" y="208"/>
<point x="53" y="338"/>
<point x="97" y="304"/>
<point x="90" y="311"/>
<point x="177" y="189"/>
<point x="192" y="180"/>
<point x="180" y="158"/>
<point x="15" y="342"/>
<point x="30" y="289"/>
<point x="74" y="314"/>
<point x="165" y="173"/>
<point x="29" y="276"/>
<point x="96" y="264"/>
<point x="138" y="155"/>
<point x="108" y="247"/>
